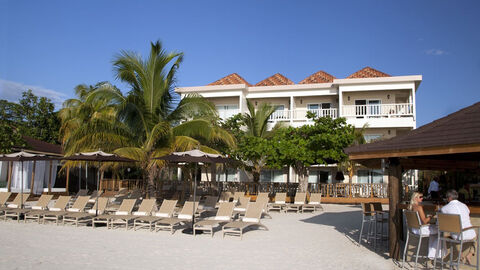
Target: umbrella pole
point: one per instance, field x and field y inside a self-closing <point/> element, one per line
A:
<point x="79" y="177"/>
<point x="21" y="190"/>
<point x="194" y="195"/>
<point x="98" y="188"/>
<point x="86" y="176"/>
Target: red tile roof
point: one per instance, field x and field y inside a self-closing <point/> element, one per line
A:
<point x="368" y="72"/>
<point x="318" y="77"/>
<point x="233" y="78"/>
<point x="277" y="79"/>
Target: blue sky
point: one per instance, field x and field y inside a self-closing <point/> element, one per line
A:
<point x="52" y="46"/>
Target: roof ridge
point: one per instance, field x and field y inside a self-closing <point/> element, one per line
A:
<point x="232" y="78"/>
<point x="317" y="78"/>
<point x="368" y="72"/>
<point x="275" y="79"/>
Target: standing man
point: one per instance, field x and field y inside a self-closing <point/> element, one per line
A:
<point x="434" y="188"/>
<point x="458" y="208"/>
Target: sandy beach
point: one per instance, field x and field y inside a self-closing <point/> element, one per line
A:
<point x="323" y="240"/>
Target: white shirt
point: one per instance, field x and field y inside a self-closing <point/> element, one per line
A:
<point x="459" y="208"/>
<point x="433" y="186"/>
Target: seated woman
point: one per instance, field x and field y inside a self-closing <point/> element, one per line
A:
<point x="416" y="205"/>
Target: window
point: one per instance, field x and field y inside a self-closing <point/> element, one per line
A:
<point x="371" y="137"/>
<point x="230" y="175"/>
<point x="369" y="176"/>
<point x="321" y="109"/>
<point x="227" y="111"/>
<point x="275" y="176"/>
<point x="322" y="177"/>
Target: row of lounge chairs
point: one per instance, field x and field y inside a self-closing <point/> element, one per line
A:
<point x="300" y="203"/>
<point x="234" y="217"/>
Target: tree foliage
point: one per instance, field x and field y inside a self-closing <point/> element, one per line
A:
<point x="32" y="116"/>
<point x="319" y="143"/>
<point x="145" y="123"/>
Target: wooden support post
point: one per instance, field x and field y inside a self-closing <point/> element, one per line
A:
<point x="10" y="172"/>
<point x="395" y="214"/>
<point x="68" y="179"/>
<point x="33" y="176"/>
<point x="50" y="178"/>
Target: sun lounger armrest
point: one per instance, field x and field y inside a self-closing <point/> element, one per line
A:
<point x="470" y="228"/>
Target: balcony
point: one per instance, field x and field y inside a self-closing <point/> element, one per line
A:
<point x="225" y="114"/>
<point x="301" y="114"/>
<point x="378" y="110"/>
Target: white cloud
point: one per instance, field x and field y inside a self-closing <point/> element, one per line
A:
<point x="12" y="91"/>
<point x="436" y="52"/>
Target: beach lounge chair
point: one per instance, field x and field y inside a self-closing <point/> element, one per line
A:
<point x="241" y="205"/>
<point x="186" y="215"/>
<point x="16" y="203"/>
<point x="166" y="211"/>
<point x="145" y="209"/>
<point x="125" y="209"/>
<point x="225" y="196"/>
<point x="4" y="197"/>
<point x="209" y="204"/>
<point x="263" y="195"/>
<point x="82" y="192"/>
<point x="224" y="215"/>
<point x="94" y="195"/>
<point x="86" y="217"/>
<point x="279" y="203"/>
<point x="237" y="195"/>
<point x="78" y="206"/>
<point x="251" y="218"/>
<point x="300" y="198"/>
<point x="197" y="198"/>
<point x="41" y="204"/>
<point x="59" y="206"/>
<point x="314" y="203"/>
<point x="264" y="202"/>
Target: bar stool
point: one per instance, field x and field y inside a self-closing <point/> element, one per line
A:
<point x="414" y="226"/>
<point x="448" y="225"/>
<point x="381" y="218"/>
<point x="368" y="217"/>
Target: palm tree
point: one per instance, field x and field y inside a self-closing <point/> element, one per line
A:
<point x="349" y="166"/>
<point x="147" y="124"/>
<point x="256" y="122"/>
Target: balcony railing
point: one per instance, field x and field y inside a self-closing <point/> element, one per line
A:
<point x="301" y="114"/>
<point x="378" y="110"/>
<point x="225" y="114"/>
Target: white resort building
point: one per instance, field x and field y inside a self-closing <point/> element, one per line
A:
<point x="384" y="103"/>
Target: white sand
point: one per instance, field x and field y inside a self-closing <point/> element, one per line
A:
<point x="294" y="241"/>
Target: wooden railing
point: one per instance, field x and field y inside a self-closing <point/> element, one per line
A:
<point x="339" y="190"/>
<point x="115" y="184"/>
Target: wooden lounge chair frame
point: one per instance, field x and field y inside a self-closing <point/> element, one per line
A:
<point x="59" y="205"/>
<point x="314" y="203"/>
<point x="223" y="216"/>
<point x="41" y="204"/>
<point x="125" y="209"/>
<point x="86" y="217"/>
<point x="279" y="203"/>
<point x="166" y="211"/>
<point x="296" y="206"/>
<point x="15" y="204"/>
<point x="186" y="215"/>
<point x="251" y="218"/>
<point x="4" y="197"/>
<point x="145" y="209"/>
<point x="78" y="206"/>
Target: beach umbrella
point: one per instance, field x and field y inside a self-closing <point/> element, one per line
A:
<point x="21" y="157"/>
<point x="97" y="156"/>
<point x="194" y="156"/>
